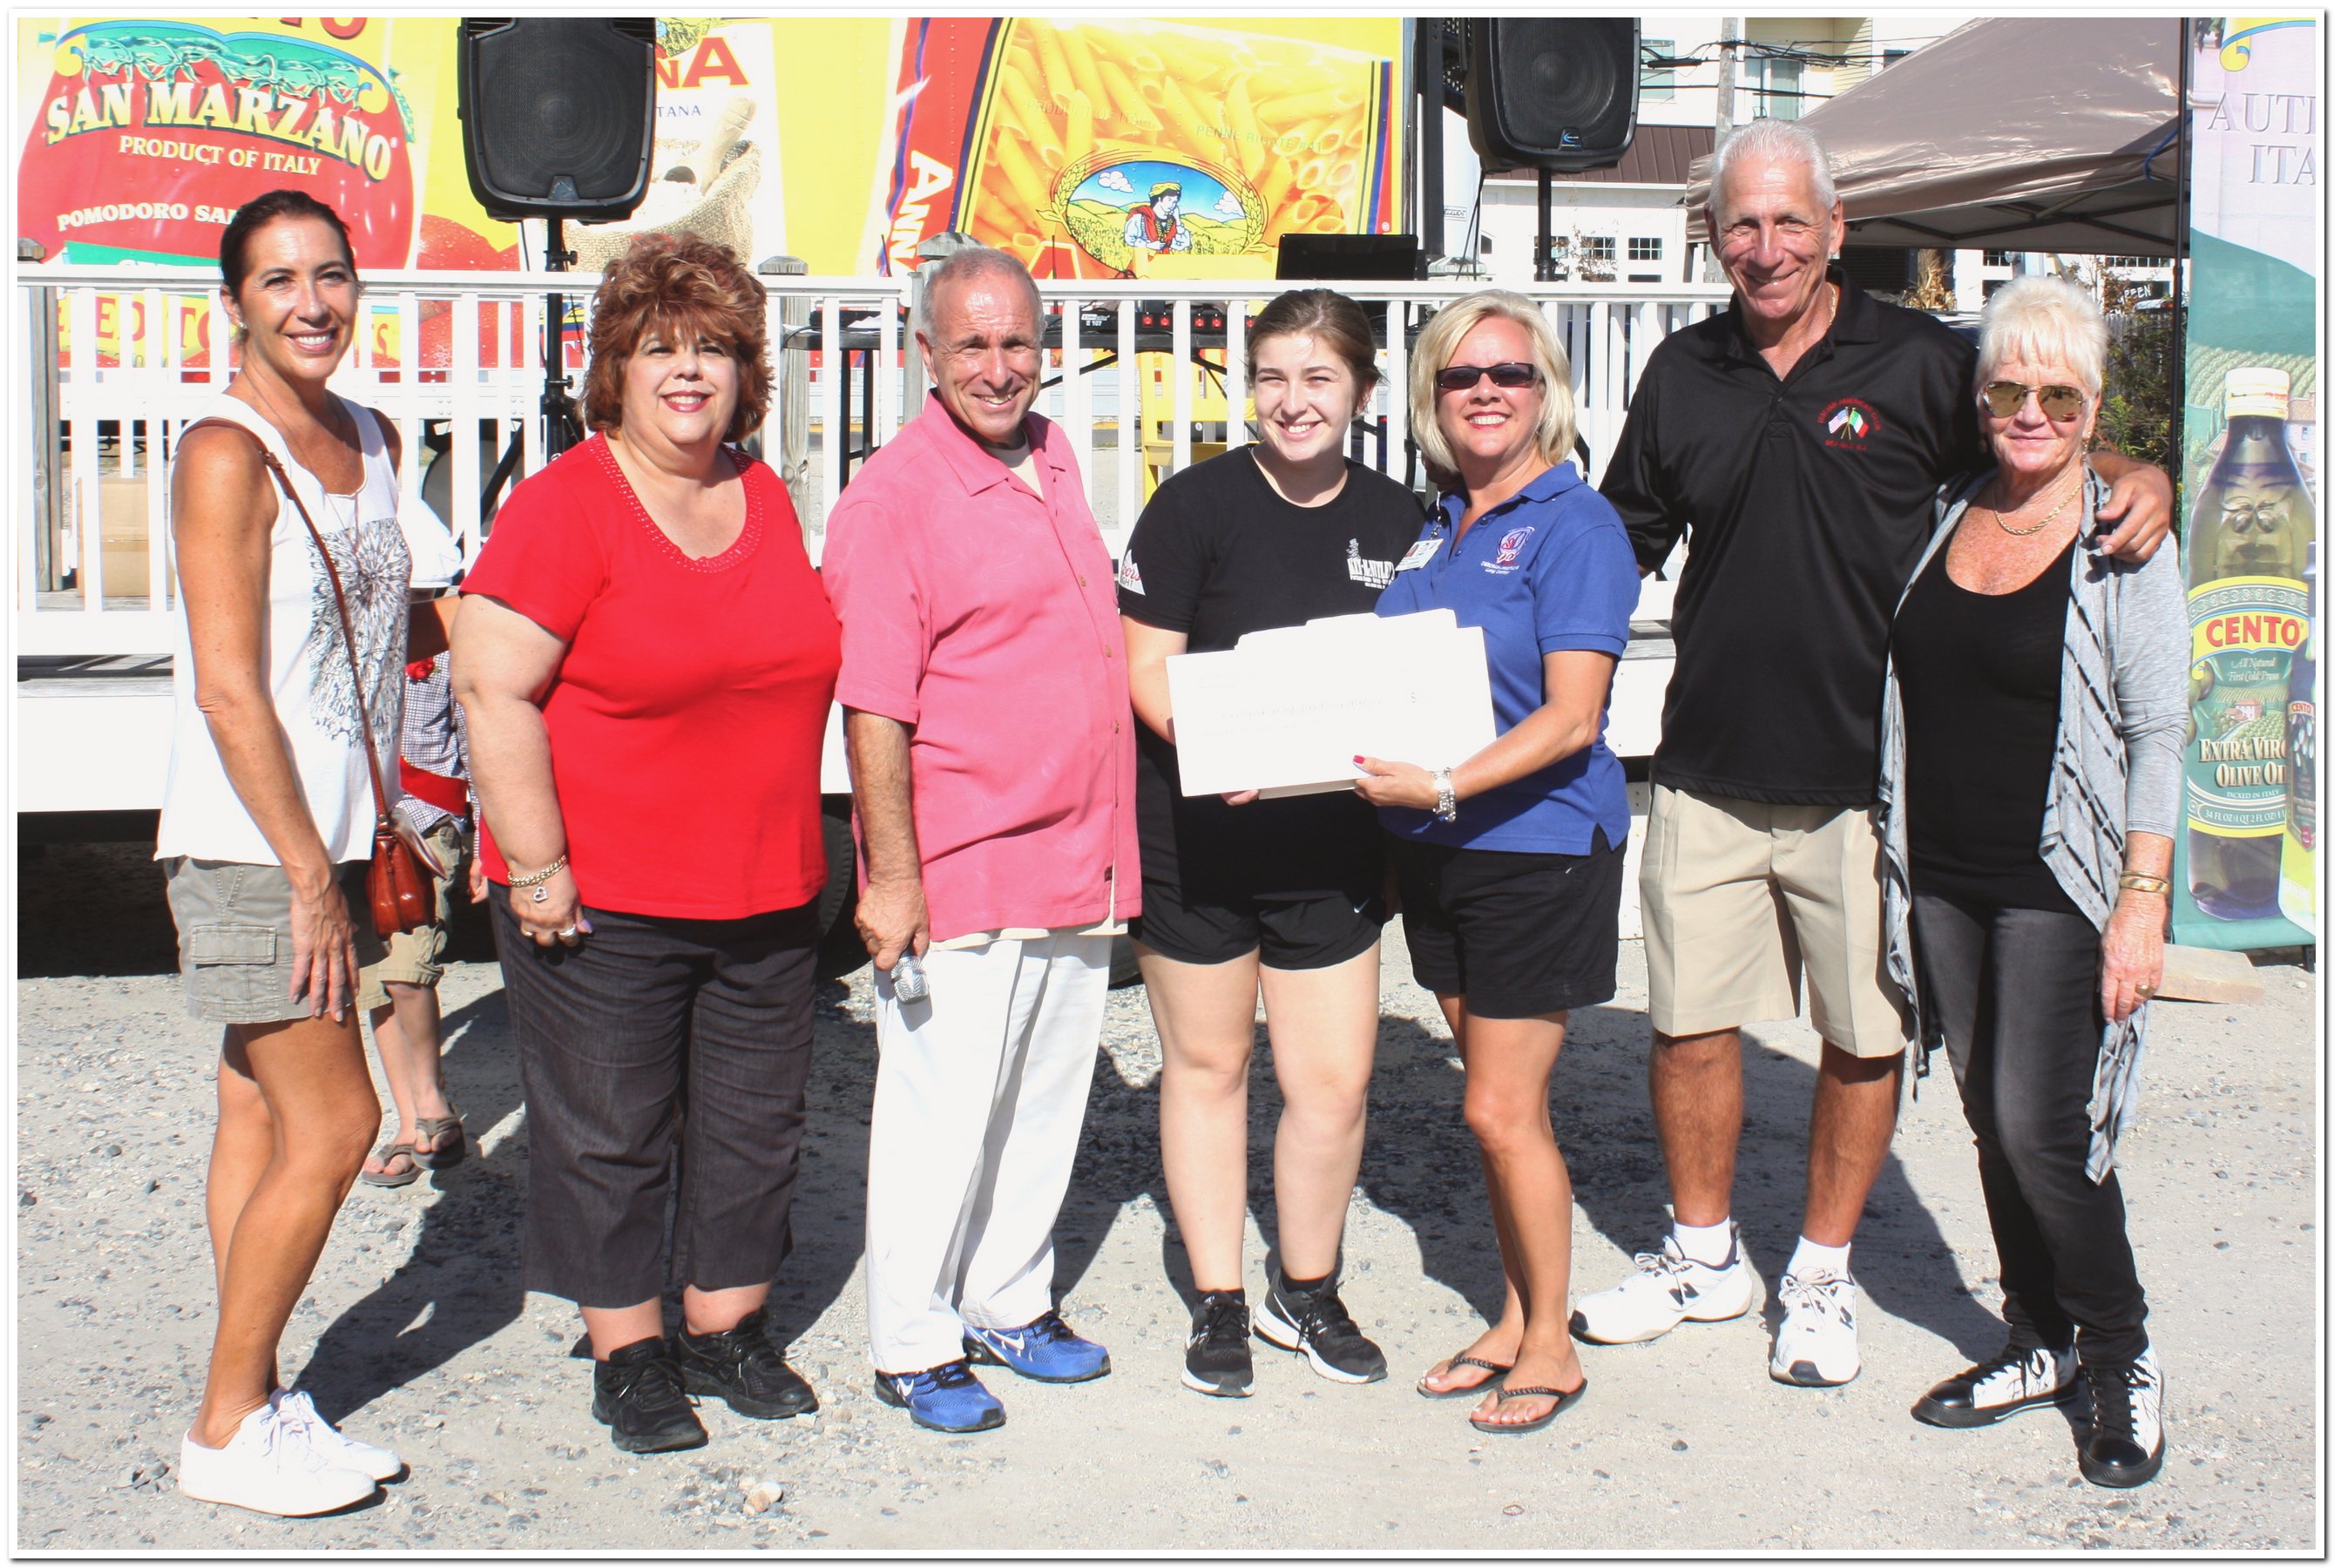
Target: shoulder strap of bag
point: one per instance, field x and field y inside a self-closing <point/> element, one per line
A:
<point x="340" y="600"/>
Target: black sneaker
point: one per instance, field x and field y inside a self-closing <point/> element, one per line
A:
<point x="1315" y="1325"/>
<point x="637" y="1390"/>
<point x="1217" y="1360"/>
<point x="2126" y="1445"/>
<point x="742" y="1367"/>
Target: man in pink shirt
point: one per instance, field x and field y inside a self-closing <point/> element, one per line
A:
<point x="993" y="763"/>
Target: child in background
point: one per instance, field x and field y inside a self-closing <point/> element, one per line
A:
<point x="399" y="994"/>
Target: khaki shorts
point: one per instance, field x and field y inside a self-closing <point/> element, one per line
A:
<point x="1740" y="899"/>
<point x="414" y="956"/>
<point x="234" y="936"/>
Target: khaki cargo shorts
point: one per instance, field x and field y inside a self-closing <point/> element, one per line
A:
<point x="1741" y="898"/>
<point x="234" y="936"/>
<point x="414" y="956"/>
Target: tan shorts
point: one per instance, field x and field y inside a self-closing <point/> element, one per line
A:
<point x="1740" y="899"/>
<point x="234" y="936"/>
<point x="414" y="956"/>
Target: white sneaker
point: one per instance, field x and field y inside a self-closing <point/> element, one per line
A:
<point x="297" y="1409"/>
<point x="2126" y="1445"/>
<point x="2003" y="1384"/>
<point x="1668" y="1288"/>
<point x="1816" y="1346"/>
<point x="270" y="1468"/>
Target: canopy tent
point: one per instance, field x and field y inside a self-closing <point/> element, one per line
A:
<point x="2011" y="133"/>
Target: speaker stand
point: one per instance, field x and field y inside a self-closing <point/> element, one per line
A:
<point x="560" y="428"/>
<point x="1544" y="248"/>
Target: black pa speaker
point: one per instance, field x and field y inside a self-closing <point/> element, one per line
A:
<point x="1556" y="92"/>
<point x="1354" y="257"/>
<point x="558" y="113"/>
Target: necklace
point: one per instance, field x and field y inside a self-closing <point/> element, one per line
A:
<point x="2036" y="528"/>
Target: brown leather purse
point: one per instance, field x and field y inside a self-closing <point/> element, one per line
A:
<point x="397" y="881"/>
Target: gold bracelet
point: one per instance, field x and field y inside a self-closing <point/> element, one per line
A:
<point x="2133" y="882"/>
<point x="545" y="875"/>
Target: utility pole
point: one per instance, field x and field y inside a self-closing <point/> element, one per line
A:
<point x="1729" y="33"/>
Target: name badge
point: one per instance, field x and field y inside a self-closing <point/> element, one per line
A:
<point x="1420" y="554"/>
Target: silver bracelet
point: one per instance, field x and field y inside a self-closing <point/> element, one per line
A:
<point x="1446" y="798"/>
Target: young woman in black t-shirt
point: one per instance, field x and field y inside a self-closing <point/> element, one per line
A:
<point x="1239" y="893"/>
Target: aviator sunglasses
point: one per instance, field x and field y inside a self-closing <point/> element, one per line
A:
<point x="1459" y="378"/>
<point x="2004" y="399"/>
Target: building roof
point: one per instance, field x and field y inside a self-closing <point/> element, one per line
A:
<point x="1657" y="155"/>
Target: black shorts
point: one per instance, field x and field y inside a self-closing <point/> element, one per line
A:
<point x="1291" y="931"/>
<point x="1517" y="935"/>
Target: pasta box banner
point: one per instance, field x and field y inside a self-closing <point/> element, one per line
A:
<point x="2246" y="872"/>
<point x="1126" y="147"/>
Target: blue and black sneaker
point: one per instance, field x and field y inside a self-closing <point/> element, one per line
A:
<point x="1045" y="1351"/>
<point x="946" y="1398"/>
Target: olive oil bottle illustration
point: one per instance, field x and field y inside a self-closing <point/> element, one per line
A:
<point x="2249" y="612"/>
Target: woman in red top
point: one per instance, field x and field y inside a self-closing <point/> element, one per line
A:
<point x="645" y="660"/>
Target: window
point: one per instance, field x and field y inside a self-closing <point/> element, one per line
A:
<point x="1483" y="246"/>
<point x="1656" y="84"/>
<point x="1891" y="57"/>
<point x="1776" y="83"/>
<point x="1641" y="249"/>
<point x="1998" y="258"/>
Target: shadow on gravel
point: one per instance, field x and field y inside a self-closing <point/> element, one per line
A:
<point x="1420" y="1165"/>
<point x="830" y="1207"/>
<point x="461" y="1283"/>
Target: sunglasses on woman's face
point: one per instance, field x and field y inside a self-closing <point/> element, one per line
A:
<point x="2004" y="399"/>
<point x="1460" y="377"/>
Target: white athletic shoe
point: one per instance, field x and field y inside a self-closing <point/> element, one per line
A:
<point x="1816" y="1346"/>
<point x="270" y="1468"/>
<point x="297" y="1409"/>
<point x="1667" y="1289"/>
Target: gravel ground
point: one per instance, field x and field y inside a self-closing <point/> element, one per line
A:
<point x="415" y="1334"/>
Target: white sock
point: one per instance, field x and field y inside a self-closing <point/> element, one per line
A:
<point x="1705" y="1243"/>
<point x="1811" y="1258"/>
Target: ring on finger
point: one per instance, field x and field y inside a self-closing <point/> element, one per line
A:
<point x="565" y="932"/>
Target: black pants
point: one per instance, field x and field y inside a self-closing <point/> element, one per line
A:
<point x="648" y="1019"/>
<point x="2017" y="992"/>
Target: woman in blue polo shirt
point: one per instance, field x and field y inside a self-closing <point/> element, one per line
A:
<point x="1509" y="861"/>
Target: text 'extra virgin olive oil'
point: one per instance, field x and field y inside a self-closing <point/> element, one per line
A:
<point x="2296" y="890"/>
<point x="2249" y="616"/>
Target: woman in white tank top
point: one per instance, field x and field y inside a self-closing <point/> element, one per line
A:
<point x="266" y="819"/>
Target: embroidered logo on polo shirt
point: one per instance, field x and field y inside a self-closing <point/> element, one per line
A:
<point x="1512" y="549"/>
<point x="1850" y="423"/>
<point x="1369" y="573"/>
<point x="1129" y="575"/>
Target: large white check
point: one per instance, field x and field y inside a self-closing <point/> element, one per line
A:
<point x="1285" y="711"/>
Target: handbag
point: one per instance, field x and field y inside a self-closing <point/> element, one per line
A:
<point x="397" y="881"/>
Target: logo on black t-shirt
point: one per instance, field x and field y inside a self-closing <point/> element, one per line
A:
<point x="1129" y="575"/>
<point x="1369" y="573"/>
<point x="1850" y="423"/>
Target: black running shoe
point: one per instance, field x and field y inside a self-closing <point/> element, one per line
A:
<point x="1315" y="1325"/>
<point x="1217" y="1360"/>
<point x="2126" y="1445"/>
<point x="741" y="1366"/>
<point x="637" y="1390"/>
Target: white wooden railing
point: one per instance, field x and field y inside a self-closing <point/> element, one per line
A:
<point x="121" y="398"/>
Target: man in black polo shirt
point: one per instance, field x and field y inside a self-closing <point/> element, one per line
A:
<point x="1797" y="440"/>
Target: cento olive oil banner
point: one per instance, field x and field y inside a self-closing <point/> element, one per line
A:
<point x="2249" y="852"/>
<point x="1126" y="147"/>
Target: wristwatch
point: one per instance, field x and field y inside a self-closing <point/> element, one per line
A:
<point x="1446" y="799"/>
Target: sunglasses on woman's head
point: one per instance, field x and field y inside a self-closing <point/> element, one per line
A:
<point x="1459" y="378"/>
<point x="2004" y="399"/>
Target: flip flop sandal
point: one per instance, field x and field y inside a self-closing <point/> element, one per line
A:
<point x="387" y="1152"/>
<point x="444" y="1157"/>
<point x="1455" y="1362"/>
<point x="1565" y="1399"/>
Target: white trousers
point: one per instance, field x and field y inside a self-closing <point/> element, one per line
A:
<point x="980" y="1094"/>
